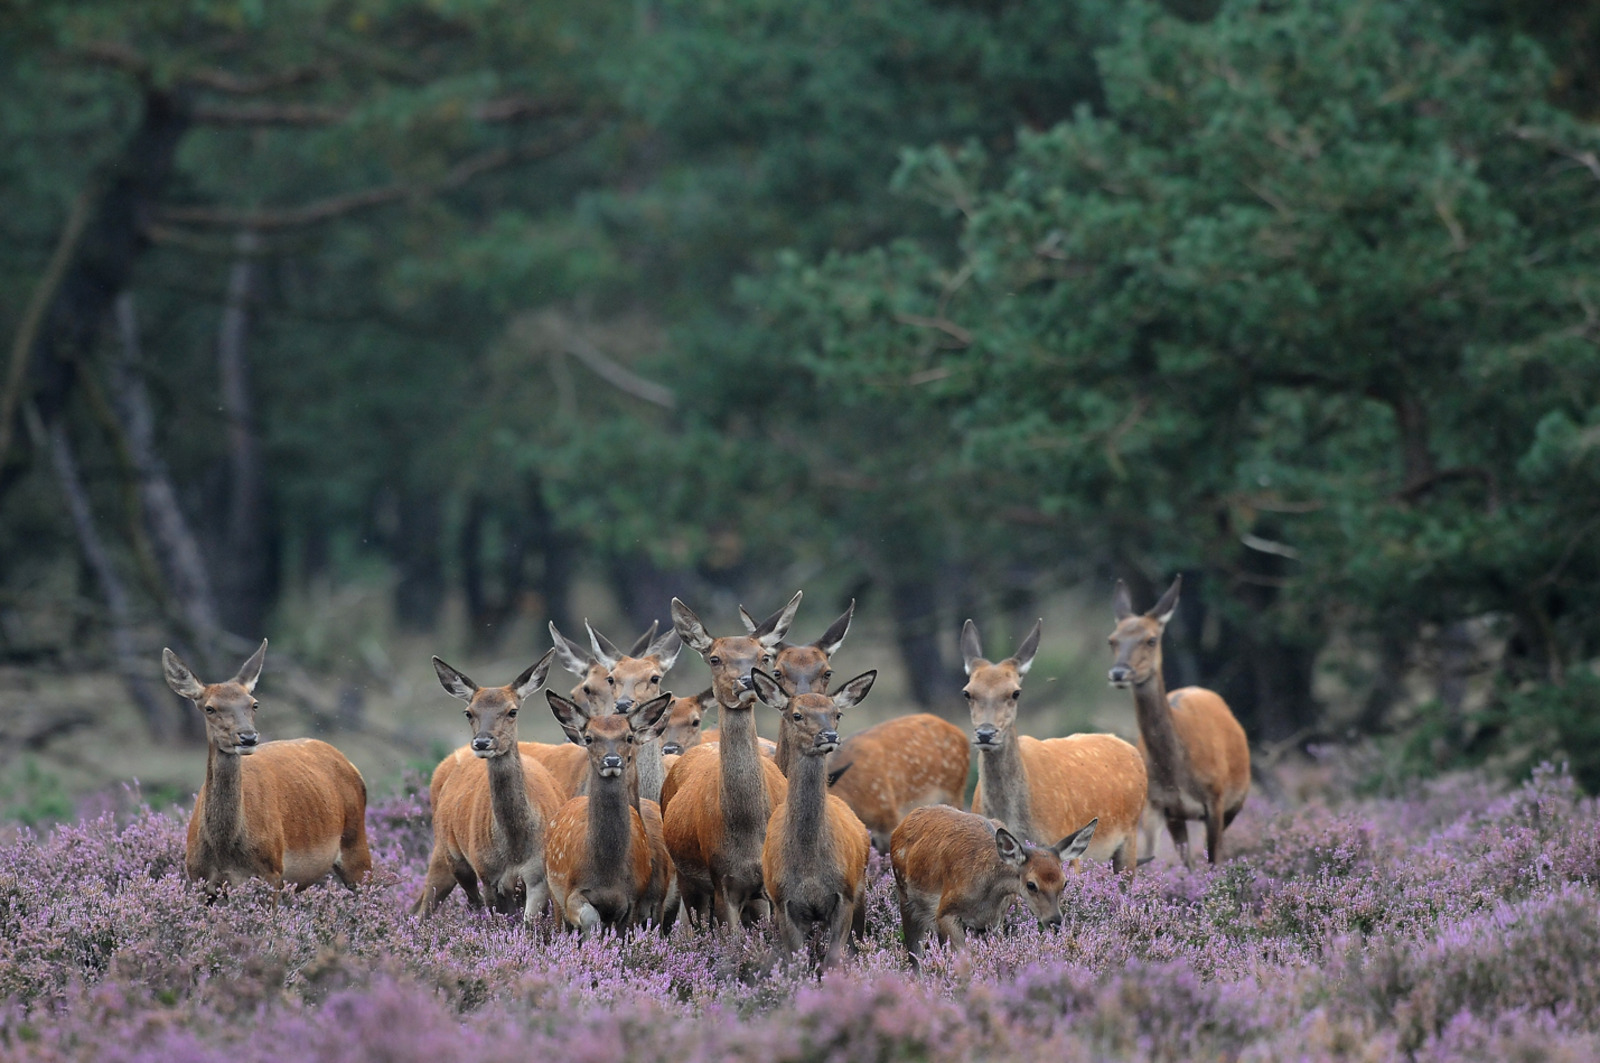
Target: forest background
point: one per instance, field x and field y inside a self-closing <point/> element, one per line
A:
<point x="384" y="328"/>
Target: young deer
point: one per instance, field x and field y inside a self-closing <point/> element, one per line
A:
<point x="1045" y="790"/>
<point x="1194" y="749"/>
<point x="955" y="871"/>
<point x="718" y="799"/>
<point x="814" y="859"/>
<point x="286" y="811"/>
<point x="492" y="811"/>
<point x="635" y="679"/>
<point x="606" y="860"/>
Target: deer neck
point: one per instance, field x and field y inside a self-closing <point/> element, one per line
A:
<point x="1004" y="783"/>
<point x="1165" y="757"/>
<point x="222" y="819"/>
<point x="652" y="774"/>
<point x="508" y="800"/>
<point x="808" y="795"/>
<point x="611" y="808"/>
<point x="743" y="784"/>
<point x="786" y="755"/>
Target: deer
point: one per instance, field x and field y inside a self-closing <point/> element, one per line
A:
<point x="685" y="717"/>
<point x="955" y="871"/>
<point x="1194" y="749"/>
<point x="717" y="799"/>
<point x="490" y="821"/>
<point x="901" y="764"/>
<point x="635" y="678"/>
<point x="1043" y="790"/>
<point x="606" y="860"/>
<point x="814" y="858"/>
<point x="287" y="811"/>
<point x="799" y="669"/>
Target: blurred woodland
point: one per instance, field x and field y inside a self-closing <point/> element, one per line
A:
<point x="944" y="305"/>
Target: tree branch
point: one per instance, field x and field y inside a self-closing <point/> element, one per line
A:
<point x="619" y="376"/>
<point x="350" y="202"/>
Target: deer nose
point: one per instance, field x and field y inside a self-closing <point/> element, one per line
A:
<point x="1120" y="673"/>
<point x="828" y="738"/>
<point x="747" y="682"/>
<point x="671" y="748"/>
<point x="482" y="742"/>
<point x="611" y="762"/>
<point x="986" y="734"/>
<point x="624" y="704"/>
<point x="248" y="738"/>
<point x="1054" y="920"/>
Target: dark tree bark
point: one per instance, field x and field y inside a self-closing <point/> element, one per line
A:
<point x="245" y="574"/>
<point x="914" y="604"/>
<point x="645" y="591"/>
<point x="416" y="551"/>
<point x="558" y="553"/>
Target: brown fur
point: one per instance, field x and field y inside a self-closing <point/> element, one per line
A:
<point x="955" y="871"/>
<point x="287" y="812"/>
<point x="1045" y="790"/>
<point x="910" y="761"/>
<point x="1194" y="749"/>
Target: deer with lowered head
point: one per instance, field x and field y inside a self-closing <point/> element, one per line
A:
<point x="493" y="810"/>
<point x="606" y="859"/>
<point x="955" y="871"/>
<point x="288" y="811"/>
<point x="718" y="798"/>
<point x="1194" y="749"/>
<point x="1044" y="790"/>
<point x="814" y="859"/>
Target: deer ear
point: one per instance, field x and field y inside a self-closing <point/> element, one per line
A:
<point x="768" y="690"/>
<point x="1023" y="658"/>
<point x="665" y="649"/>
<point x="573" y="657"/>
<point x="1076" y="844"/>
<point x="568" y="715"/>
<point x="747" y="620"/>
<point x="534" y="677"/>
<point x="971" y="646"/>
<point x="833" y="638"/>
<point x="250" y="671"/>
<point x="774" y="627"/>
<point x="854" y="691"/>
<point x="1121" y="602"/>
<point x="649" y="636"/>
<point x="1168" y="604"/>
<point x="455" y="684"/>
<point x="604" y="651"/>
<point x="689" y="628"/>
<point x="179" y="678"/>
<point x="651" y="718"/>
<point x="1011" y="850"/>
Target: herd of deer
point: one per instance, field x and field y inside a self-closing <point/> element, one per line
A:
<point x="643" y="814"/>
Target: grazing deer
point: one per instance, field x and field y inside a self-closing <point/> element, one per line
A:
<point x="490" y="820"/>
<point x="635" y="679"/>
<point x="1045" y="790"/>
<point x="718" y="799"/>
<point x="1194" y="749"/>
<point x="955" y="871"/>
<point x="605" y="865"/>
<point x="799" y="669"/>
<point x="287" y="811"/>
<point x="814" y="859"/>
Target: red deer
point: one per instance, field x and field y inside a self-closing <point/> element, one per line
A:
<point x="605" y="864"/>
<point x="1194" y="749"/>
<point x="799" y="669"/>
<point x="288" y="811"/>
<point x="490" y="820"/>
<point x="635" y="679"/>
<point x="889" y="769"/>
<point x="717" y="800"/>
<point x="683" y="733"/>
<point x="814" y="859"/>
<point x="1045" y="790"/>
<point x="955" y="871"/>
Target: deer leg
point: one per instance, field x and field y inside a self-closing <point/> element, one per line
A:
<point x="440" y="881"/>
<point x="952" y="932"/>
<point x="839" y="923"/>
<point x="791" y="938"/>
<point x="1178" y="827"/>
<point x="858" y="921"/>
<point x="1126" y="856"/>
<point x="725" y="911"/>
<point x="536" y="894"/>
<point x="1214" y="824"/>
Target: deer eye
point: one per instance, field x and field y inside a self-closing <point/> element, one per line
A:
<point x="630" y="740"/>
<point x="967" y="694"/>
<point x="512" y="714"/>
<point x="610" y="681"/>
<point x="588" y="740"/>
<point x="695" y="722"/>
<point x="828" y="674"/>
<point x="797" y="717"/>
<point x="1150" y="641"/>
<point x="1015" y="694"/>
<point x="465" y="712"/>
<point x="211" y="710"/>
<point x="714" y="661"/>
<point x="1033" y="887"/>
<point x="586" y="690"/>
<point x="655" y="679"/>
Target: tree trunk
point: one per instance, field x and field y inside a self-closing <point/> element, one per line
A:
<point x="245" y="572"/>
<point x="915" y="606"/>
<point x="420" y="590"/>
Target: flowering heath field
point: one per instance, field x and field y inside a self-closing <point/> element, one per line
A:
<point x="1461" y="922"/>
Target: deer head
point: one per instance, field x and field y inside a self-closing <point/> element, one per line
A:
<point x="993" y="690"/>
<point x="635" y="678"/>
<point x="596" y="690"/>
<point x="803" y="669"/>
<point x="229" y="707"/>
<point x="1136" y="640"/>
<point x="492" y="711"/>
<point x="1039" y="867"/>
<point x="732" y="658"/>
<point x="814" y="717"/>
<point x="684" y="720"/>
<point x="612" y="741"/>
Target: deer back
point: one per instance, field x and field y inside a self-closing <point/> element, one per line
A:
<point x="1219" y="753"/>
<point x="692" y="815"/>
<point x="1081" y="777"/>
<point x="889" y="769"/>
